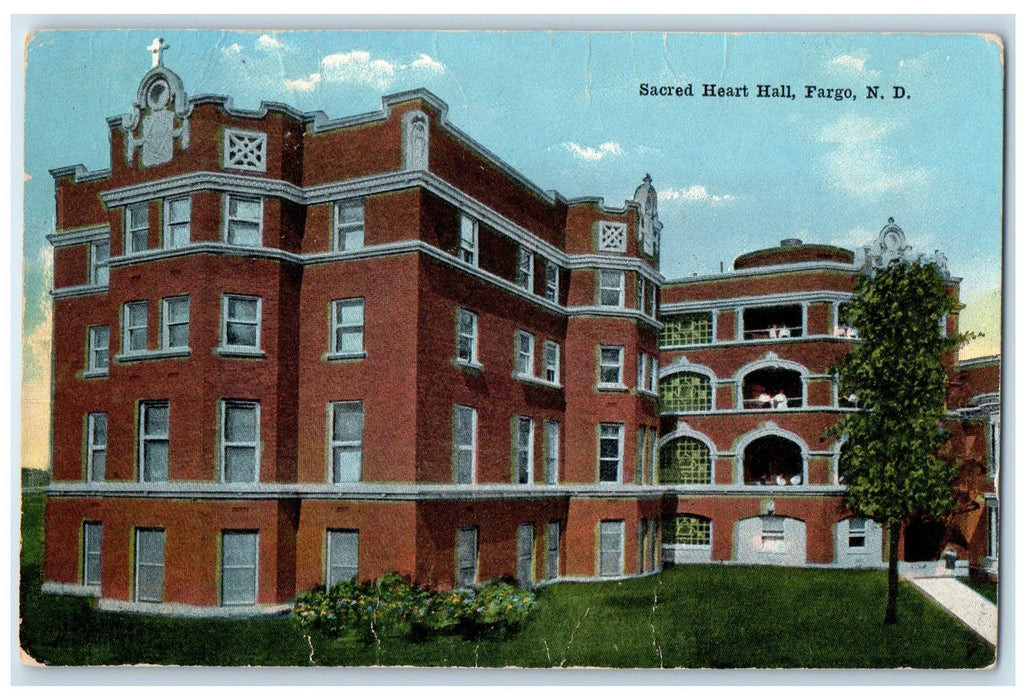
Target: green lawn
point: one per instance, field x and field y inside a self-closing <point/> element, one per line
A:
<point x="694" y="616"/>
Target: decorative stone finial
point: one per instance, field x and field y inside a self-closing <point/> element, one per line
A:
<point x="157" y="48"/>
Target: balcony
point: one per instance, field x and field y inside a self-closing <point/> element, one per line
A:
<point x="773" y="322"/>
<point x="773" y="461"/>
<point x="772" y="388"/>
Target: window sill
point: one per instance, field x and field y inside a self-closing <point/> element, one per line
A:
<point x="95" y="374"/>
<point x="468" y="364"/>
<point x="153" y="354"/>
<point x="254" y="353"/>
<point x="338" y="356"/>
<point x="531" y="379"/>
<point x="611" y="387"/>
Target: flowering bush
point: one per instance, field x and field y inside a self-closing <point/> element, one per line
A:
<point x="394" y="606"/>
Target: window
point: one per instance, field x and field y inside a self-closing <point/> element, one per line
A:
<point x="644" y="296"/>
<point x="177" y="213"/>
<point x="347" y="327"/>
<point x="993" y="430"/>
<point x="610" y="453"/>
<point x="525" y="269"/>
<point x="468" y="240"/>
<point x="610" y="548"/>
<point x="525" y="555"/>
<point x="610" y="291"/>
<point x="642" y="372"/>
<point x="653" y="460"/>
<point x="653" y="374"/>
<point x="464" y="444"/>
<point x="342" y="556"/>
<point x="240" y="440"/>
<point x="650" y="302"/>
<point x="154" y="434"/>
<point x="244" y="223"/>
<point x="92" y="540"/>
<point x="772" y="533"/>
<point x="96" y="447"/>
<point x="523" y="451"/>
<point x="99" y="254"/>
<point x="99" y="349"/>
<point x="241" y="316"/>
<point x="135" y="327"/>
<point x="138" y="228"/>
<point x="610" y="366"/>
<point x="772" y="322"/>
<point x="466" y="336"/>
<point x="349" y="225"/>
<point x="552" y="550"/>
<point x="857" y="533"/>
<point x="149" y="565"/>
<point x="466" y="557"/>
<point x="685" y="391"/>
<point x="685" y="460"/>
<point x="550" y="362"/>
<point x="245" y="150"/>
<point x="524" y="352"/>
<point x="993" y="533"/>
<point x="640" y="456"/>
<point x="346" y="441"/>
<point x="687" y="329"/>
<point x="687" y="530"/>
<point x="238" y="568"/>
<point x="551" y="281"/>
<point x="844" y="328"/>
<point x="551" y="452"/>
<point x="175" y="331"/>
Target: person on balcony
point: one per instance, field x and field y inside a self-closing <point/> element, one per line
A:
<point x="765" y="400"/>
<point x="779" y="400"/>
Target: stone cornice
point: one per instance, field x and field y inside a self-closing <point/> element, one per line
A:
<point x="71" y="237"/>
<point x="759" y="300"/>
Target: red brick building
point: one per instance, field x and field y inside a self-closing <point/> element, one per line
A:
<point x="289" y="350"/>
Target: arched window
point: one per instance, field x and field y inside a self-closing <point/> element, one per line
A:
<point x="685" y="391"/>
<point x="773" y="460"/>
<point x="772" y="387"/>
<point x="685" y="460"/>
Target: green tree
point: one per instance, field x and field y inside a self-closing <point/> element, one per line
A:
<point x="890" y="464"/>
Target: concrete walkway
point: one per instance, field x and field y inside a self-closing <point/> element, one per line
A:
<point x="976" y="612"/>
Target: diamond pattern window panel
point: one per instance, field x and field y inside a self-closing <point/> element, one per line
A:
<point x="612" y="237"/>
<point x="245" y="150"/>
<point x="685" y="391"/>
<point x="688" y="530"/>
<point x="686" y="329"/>
<point x="685" y="460"/>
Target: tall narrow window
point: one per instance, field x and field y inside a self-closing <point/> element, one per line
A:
<point x="99" y="349"/>
<point x="551" y="281"/>
<point x="92" y="541"/>
<point x="347" y="327"/>
<point x="653" y="459"/>
<point x="342" y="556"/>
<point x="653" y="374"/>
<point x="238" y="568"/>
<point x="642" y="372"/>
<point x="611" y="366"/>
<point x="346" y="441"/>
<point x="551" y="452"/>
<point x="175" y="331"/>
<point x="464" y="444"/>
<point x="349" y="225"/>
<point x="149" y="565"/>
<point x="468" y="240"/>
<point x="240" y="441"/>
<point x="523" y="452"/>
<point x="524" y="352"/>
<point x="610" y="292"/>
<point x="154" y="440"/>
<point x="610" y="549"/>
<point x="552" y="550"/>
<point x="244" y="222"/>
<point x="525" y="555"/>
<point x="177" y="215"/>
<point x="466" y="557"/>
<point x="466" y="336"/>
<point x="610" y="466"/>
<point x="135" y="319"/>
<point x="99" y="254"/>
<point x="96" y="447"/>
<point x="550" y="362"/>
<point x="138" y="228"/>
<point x="640" y="457"/>
<point x="525" y="269"/>
<point x="241" y="329"/>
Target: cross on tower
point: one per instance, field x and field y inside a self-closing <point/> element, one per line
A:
<point x="157" y="48"/>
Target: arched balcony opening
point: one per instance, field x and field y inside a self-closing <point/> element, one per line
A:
<point x="772" y="388"/>
<point x="685" y="460"/>
<point x="773" y="461"/>
<point x="773" y="322"/>
<point x="685" y="391"/>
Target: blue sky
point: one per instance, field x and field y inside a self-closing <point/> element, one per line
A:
<point x="734" y="174"/>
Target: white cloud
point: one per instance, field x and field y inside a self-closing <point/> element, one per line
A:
<point x="861" y="162"/>
<point x="231" y="50"/>
<point x="696" y="194"/>
<point x="426" y="63"/>
<point x="359" y="66"/>
<point x="846" y="63"/>
<point x="266" y="42"/>
<point x="304" y="84"/>
<point x="590" y="153"/>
